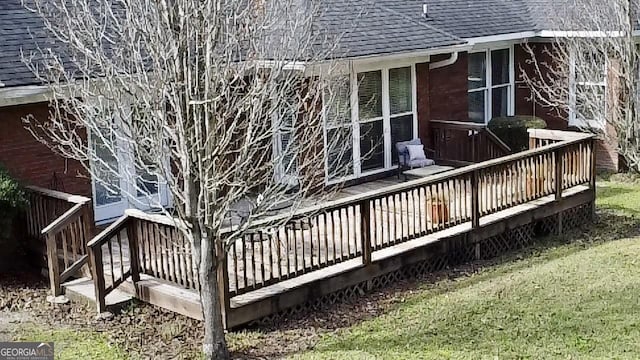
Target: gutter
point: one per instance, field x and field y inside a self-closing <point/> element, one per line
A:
<point x="446" y="62"/>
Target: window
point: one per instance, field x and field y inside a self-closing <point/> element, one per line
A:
<point x="285" y="122"/>
<point x="371" y="120"/>
<point x="491" y="84"/>
<point x="401" y="107"/>
<point x="368" y="113"/>
<point x="588" y="90"/>
<point x="339" y="129"/>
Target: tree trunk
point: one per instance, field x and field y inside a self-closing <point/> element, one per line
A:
<point x="214" y="345"/>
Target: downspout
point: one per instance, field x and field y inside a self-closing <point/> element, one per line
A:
<point x="446" y="62"/>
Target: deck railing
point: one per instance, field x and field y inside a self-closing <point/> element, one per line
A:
<point x="465" y="142"/>
<point x="347" y="230"/>
<point x="138" y="244"/>
<point x="61" y="223"/>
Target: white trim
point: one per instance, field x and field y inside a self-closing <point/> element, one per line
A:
<point x="19" y="95"/>
<point x="579" y="34"/>
<point x="502" y="37"/>
<point x="525" y="35"/>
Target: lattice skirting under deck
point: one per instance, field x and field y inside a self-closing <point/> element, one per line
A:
<point x="461" y="250"/>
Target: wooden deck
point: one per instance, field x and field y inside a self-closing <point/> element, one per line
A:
<point x="367" y="232"/>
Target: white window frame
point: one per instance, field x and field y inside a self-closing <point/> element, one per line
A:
<point x="129" y="198"/>
<point x="597" y="124"/>
<point x="384" y="67"/>
<point x="489" y="87"/>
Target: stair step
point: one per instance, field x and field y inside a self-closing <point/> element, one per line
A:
<point x="83" y="290"/>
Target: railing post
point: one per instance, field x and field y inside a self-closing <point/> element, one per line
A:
<point x="54" y="266"/>
<point x="475" y="200"/>
<point x="559" y="181"/>
<point x="132" y="236"/>
<point x="222" y="274"/>
<point x="97" y="272"/>
<point x="365" y="231"/>
<point x="592" y="183"/>
<point x="559" y="173"/>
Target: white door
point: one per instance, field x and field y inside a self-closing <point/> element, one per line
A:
<point x="109" y="199"/>
<point x="119" y="185"/>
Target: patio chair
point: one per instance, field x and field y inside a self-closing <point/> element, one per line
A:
<point x="412" y="155"/>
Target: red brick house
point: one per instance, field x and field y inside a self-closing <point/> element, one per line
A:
<point x="449" y="60"/>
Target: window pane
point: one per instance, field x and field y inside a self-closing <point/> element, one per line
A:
<point x="106" y="167"/>
<point x="590" y="67"/>
<point x="476" y="106"/>
<point x="338" y="102"/>
<point x="339" y="152"/>
<point x="500" y="67"/>
<point x="288" y="155"/>
<point x="477" y="71"/>
<point x="371" y="146"/>
<point x="401" y="130"/>
<point x="590" y="103"/>
<point x="370" y="94"/>
<point x="400" y="90"/>
<point x="499" y="103"/>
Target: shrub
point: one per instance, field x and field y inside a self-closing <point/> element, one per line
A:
<point x="513" y="130"/>
<point x="12" y="196"/>
<point x="12" y="200"/>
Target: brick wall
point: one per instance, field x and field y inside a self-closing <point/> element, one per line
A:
<point x="422" y="87"/>
<point x="606" y="155"/>
<point x="524" y="104"/>
<point x="32" y="162"/>
<point x="448" y="90"/>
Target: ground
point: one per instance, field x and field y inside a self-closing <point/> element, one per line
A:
<point x="573" y="297"/>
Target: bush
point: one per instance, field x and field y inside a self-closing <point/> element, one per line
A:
<point x="12" y="200"/>
<point x="513" y="130"/>
<point x="12" y="195"/>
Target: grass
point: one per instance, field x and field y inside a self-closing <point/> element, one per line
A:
<point x="572" y="301"/>
<point x="72" y="344"/>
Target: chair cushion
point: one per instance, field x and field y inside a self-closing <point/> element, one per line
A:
<point x="418" y="163"/>
<point x="416" y="152"/>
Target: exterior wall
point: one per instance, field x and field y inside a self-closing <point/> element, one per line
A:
<point x="448" y="88"/>
<point x="606" y="156"/>
<point x="424" y="111"/>
<point x="32" y="162"/>
<point x="525" y="105"/>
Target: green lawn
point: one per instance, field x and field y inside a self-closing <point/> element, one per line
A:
<point x="72" y="344"/>
<point x="580" y="300"/>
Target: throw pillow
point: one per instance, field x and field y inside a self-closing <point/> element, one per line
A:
<point x="416" y="152"/>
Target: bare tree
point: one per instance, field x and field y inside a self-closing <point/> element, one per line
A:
<point x="590" y="72"/>
<point x="221" y="101"/>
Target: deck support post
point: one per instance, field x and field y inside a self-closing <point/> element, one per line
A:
<point x="88" y="226"/>
<point x="54" y="265"/>
<point x="365" y="231"/>
<point x="97" y="272"/>
<point x="222" y="273"/>
<point x="132" y="236"/>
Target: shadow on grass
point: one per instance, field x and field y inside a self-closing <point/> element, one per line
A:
<point x="304" y="329"/>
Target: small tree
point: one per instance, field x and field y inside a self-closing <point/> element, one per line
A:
<point x="210" y="97"/>
<point x="590" y="72"/>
